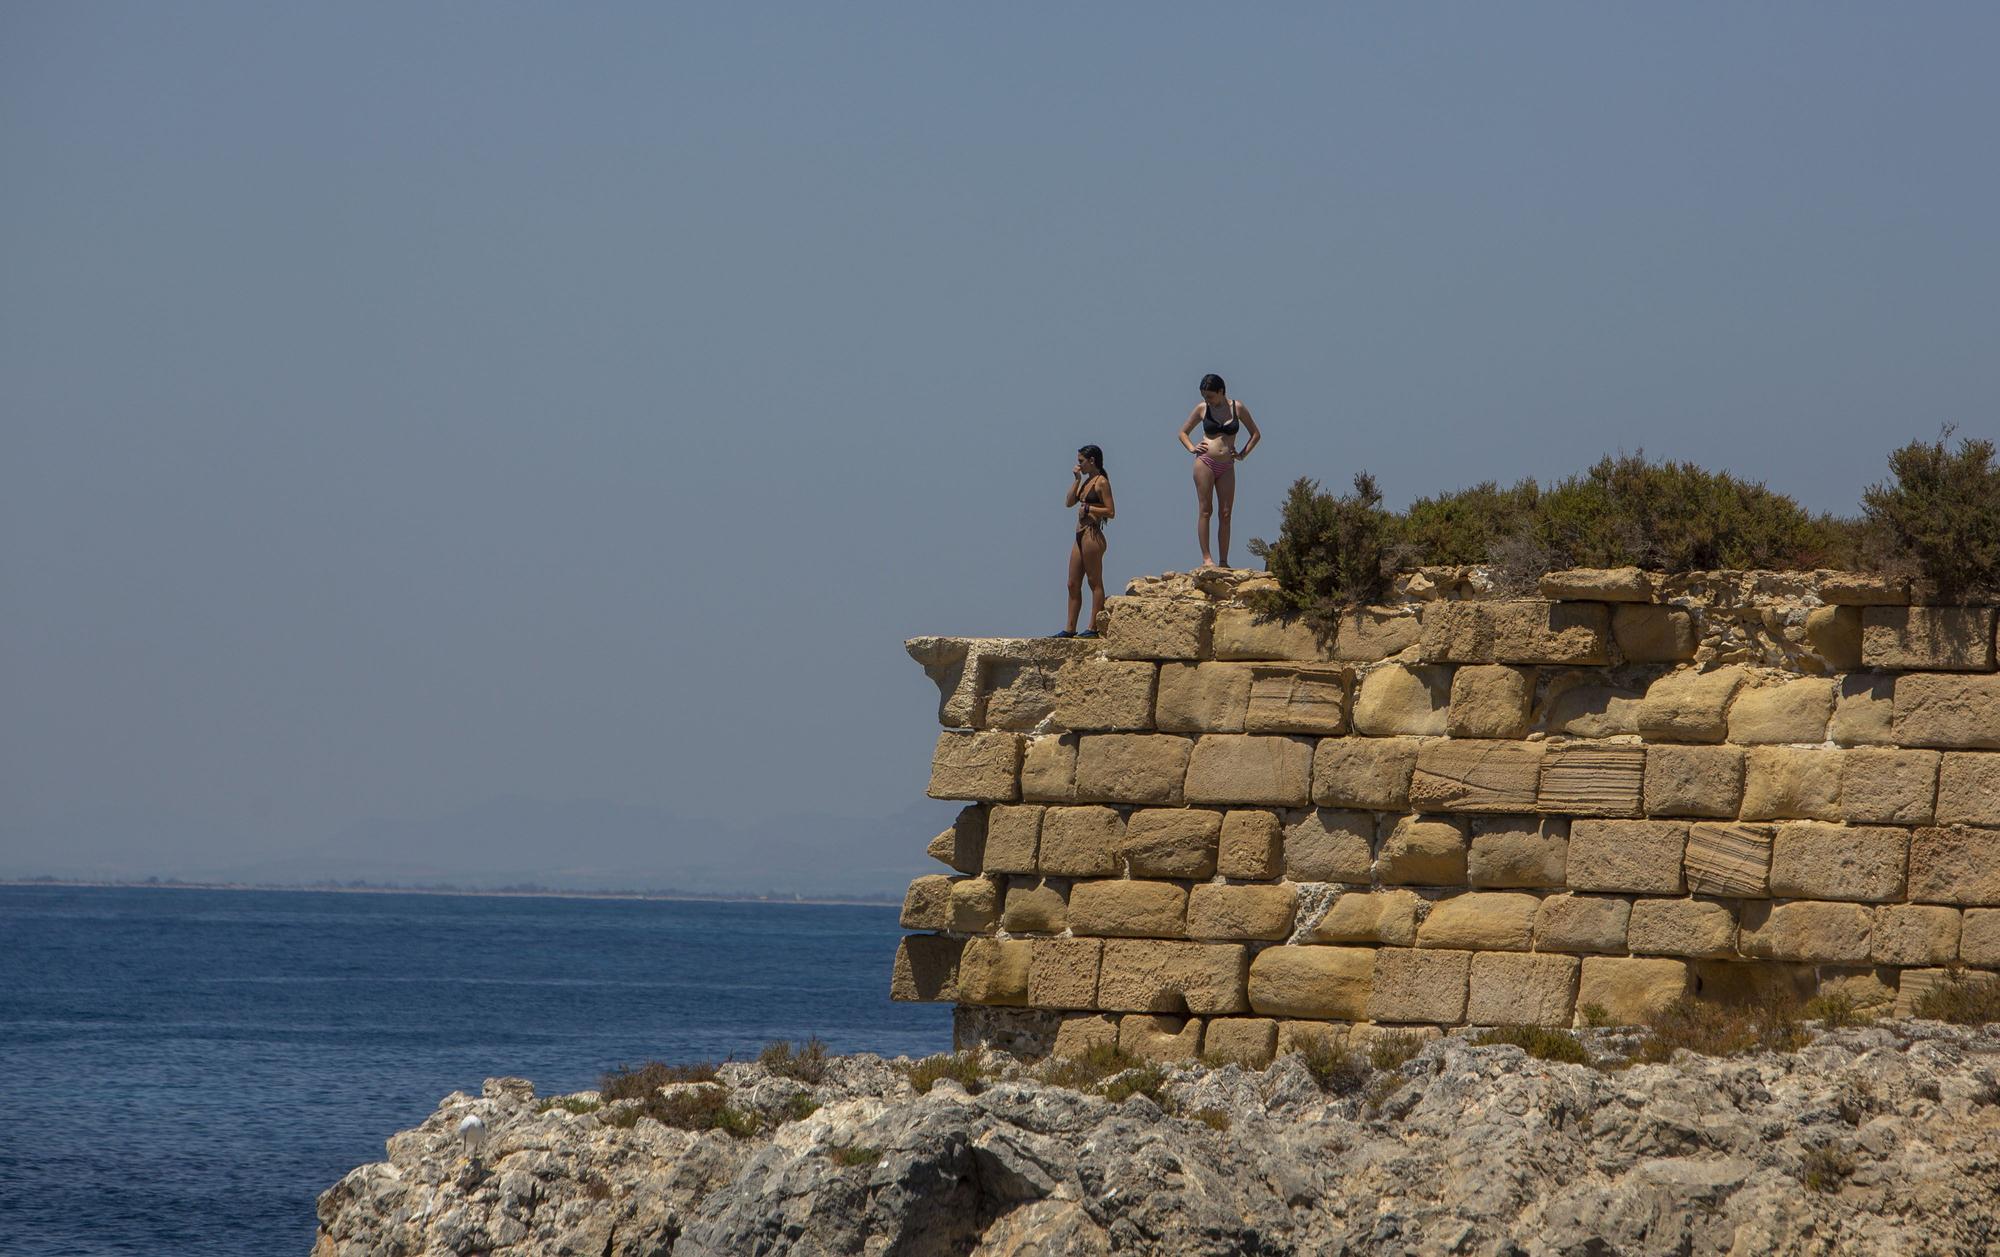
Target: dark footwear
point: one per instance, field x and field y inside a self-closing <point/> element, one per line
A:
<point x="1088" y="633"/>
<point x="1064" y="633"/>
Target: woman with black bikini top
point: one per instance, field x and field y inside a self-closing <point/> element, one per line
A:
<point x="1090" y="493"/>
<point x="1215" y="459"/>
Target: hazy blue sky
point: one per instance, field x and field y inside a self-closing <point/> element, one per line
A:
<point x="479" y="410"/>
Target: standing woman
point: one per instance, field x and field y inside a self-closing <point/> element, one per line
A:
<point x="1215" y="458"/>
<point x="1090" y="493"/>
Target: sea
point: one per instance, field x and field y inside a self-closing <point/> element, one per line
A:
<point x="183" y="1071"/>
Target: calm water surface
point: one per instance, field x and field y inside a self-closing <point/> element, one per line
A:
<point x="183" y="1071"/>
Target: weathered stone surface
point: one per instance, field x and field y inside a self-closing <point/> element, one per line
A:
<point x="1863" y="709"/>
<point x="1979" y="937"/>
<point x="1013" y="837"/>
<point x="963" y="845"/>
<point x="1517" y="851"/>
<point x="1687" y="705"/>
<point x="1681" y="927"/>
<point x="1125" y="909"/>
<point x="1733" y="860"/>
<point x="1002" y="682"/>
<point x="1579" y="706"/>
<point x="1382" y="916"/>
<point x="1202" y="697"/>
<point x="1249" y="768"/>
<point x="974" y="904"/>
<point x="994" y="971"/>
<point x="1582" y="923"/>
<point x="1295" y="1036"/>
<point x="982" y="767"/>
<point x="1969" y="789"/>
<point x="1592" y="780"/>
<point x="1873" y="990"/>
<point x="1822" y="933"/>
<point x="1630" y="991"/>
<point x="1033" y="906"/>
<point x="1516" y="632"/>
<point x="1791" y="712"/>
<point x="926" y="969"/>
<point x="1240" y="912"/>
<point x="1787" y="783"/>
<point x="1635" y="857"/>
<point x="1511" y="989"/>
<point x="1048" y="768"/>
<point x="1402" y="699"/>
<point x="1465" y="775"/>
<point x="1490" y="701"/>
<point x="1879" y="785"/>
<point x="1423" y="851"/>
<point x="1297" y="700"/>
<point x="1950" y="712"/>
<point x="1936" y="639"/>
<point x="1132" y="767"/>
<point x="1240" y="633"/>
<point x="1913" y="984"/>
<point x="1080" y="842"/>
<point x="1653" y="634"/>
<point x="1155" y="1038"/>
<point x="927" y="903"/>
<point x="1325" y="845"/>
<point x="1862" y="589"/>
<point x="1146" y="975"/>
<point x="1083" y="1033"/>
<point x="1367" y="634"/>
<point x="1481" y="921"/>
<point x="1062" y="972"/>
<point x="1420" y="986"/>
<point x="1017" y="693"/>
<point x="1312" y="981"/>
<point x="1955" y="864"/>
<point x="1598" y="584"/>
<point x="1171" y="842"/>
<point x="1834" y="634"/>
<point x="1693" y="780"/>
<point x="1105" y="694"/>
<point x="1157" y="628"/>
<point x="1249" y="1041"/>
<point x="1251" y="846"/>
<point x="1861" y="862"/>
<point x="1914" y="934"/>
<point x="1371" y="773"/>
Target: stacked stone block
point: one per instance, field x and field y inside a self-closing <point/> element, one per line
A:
<point x="1212" y="833"/>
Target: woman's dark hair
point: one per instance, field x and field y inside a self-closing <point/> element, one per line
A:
<point x="1212" y="383"/>
<point x="1094" y="454"/>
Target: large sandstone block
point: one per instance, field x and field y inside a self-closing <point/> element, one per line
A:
<point x="1017" y="692"/>
<point x="1630" y="991"/>
<point x="1791" y="783"/>
<point x="1312" y="982"/>
<point x="1298" y="1036"/>
<point x="1653" y="634"/>
<point x="1883" y="786"/>
<point x="1171" y="842"/>
<point x="1123" y="909"/>
<point x="1592" y="780"/>
<point x="1423" y="851"/>
<point x="1080" y="1034"/>
<point x="1132" y="767"/>
<point x="926" y="969"/>
<point x="983" y="767"/>
<point x="927" y="903"/>
<point x="994" y="971"/>
<point x="1969" y="789"/>
<point x="1249" y="1041"/>
<point x="1979" y="937"/>
<point x="1863" y="710"/>
<point x="1146" y="975"/>
<point x="1935" y="639"/>
<point x="1490" y="701"/>
<point x="1048" y="768"/>
<point x="1371" y="773"/>
<point x="1157" y="628"/>
<point x="1105" y="694"/>
<point x="1013" y="838"/>
<point x="1597" y="584"/>
<point x="1516" y="632"/>
<point x="1579" y="705"/>
<point x="1325" y="845"/>
<point x="1251" y="845"/>
<point x="1249" y="768"/>
<point x="1732" y="860"/>
<point x="1033" y="906"/>
<point x="1951" y="712"/>
<point x="1368" y="634"/>
<point x="1693" y="780"/>
<point x="1202" y="697"/>
<point x="1511" y="989"/>
<point x="1481" y="921"/>
<point x="1240" y="912"/>
<point x="1080" y="842"/>
<point x="1821" y="933"/>
<point x="1861" y="862"/>
<point x="1834" y="634"/>
<point x="1383" y="916"/>
<point x="1633" y="857"/>
<point x="974" y="904"/>
<point x="1152" y="1038"/>
<point x="1297" y="700"/>
<point x="1062" y="972"/>
<point x="1420" y="986"/>
<point x="1681" y="927"/>
<point x="1582" y="923"/>
<point x="1791" y="712"/>
<point x="1955" y="864"/>
<point x="963" y="846"/>
<point x="1914" y="934"/>
<point x="1862" y="589"/>
<point x="1402" y="699"/>
<point x="1687" y="705"/>
<point x="1463" y="775"/>
<point x="1241" y="633"/>
<point x="1517" y="851"/>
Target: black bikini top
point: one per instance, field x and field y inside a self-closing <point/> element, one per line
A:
<point x="1211" y="427"/>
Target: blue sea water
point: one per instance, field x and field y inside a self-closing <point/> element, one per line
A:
<point x="183" y="1071"/>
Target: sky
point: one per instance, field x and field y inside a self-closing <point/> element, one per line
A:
<point x="492" y="440"/>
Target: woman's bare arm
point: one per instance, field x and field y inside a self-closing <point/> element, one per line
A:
<point x="1075" y="491"/>
<point x="1250" y="425"/>
<point x="1108" y="508"/>
<point x="1194" y="417"/>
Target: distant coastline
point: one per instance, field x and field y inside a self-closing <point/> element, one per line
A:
<point x="500" y="892"/>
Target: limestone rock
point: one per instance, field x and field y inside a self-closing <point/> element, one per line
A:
<point x="976" y="766"/>
<point x="1402" y="699"/>
<point x="1062" y="972"/>
<point x="1517" y="851"/>
<point x="1251" y="845"/>
<point x="1632" y="990"/>
<point x="1013" y="838"/>
<point x="1249" y="1041"/>
<point x="974" y="904"/>
<point x="1795" y="711"/>
<point x="1033" y="906"/>
<point x="1131" y="767"/>
<point x="1819" y="933"/>
<point x="1423" y="851"/>
<point x="963" y="846"/>
<point x="1127" y="909"/>
<point x="1202" y="697"/>
<point x="1598" y="584"/>
<point x="1730" y="860"/>
<point x="1969" y="789"/>
<point x="1080" y="842"/>
<point x="1048" y="768"/>
<point x="1786" y="783"/>
<point x="1914" y="934"/>
<point x="1371" y="773"/>
<point x="927" y="903"/>
<point x="1951" y="712"/>
<point x="1653" y="634"/>
<point x="1297" y="700"/>
<point x="1420" y="986"/>
<point x="1863" y="709"/>
<point x="1580" y="707"/>
<point x="1368" y="634"/>
<point x="1888" y="787"/>
<point x="1387" y="917"/>
<point x="1956" y="864"/>
<point x="1154" y="1038"/>
<point x="1936" y="639"/>
<point x="1105" y="694"/>
<point x="1146" y="975"/>
<point x="1157" y="628"/>
<point x="1240" y="912"/>
<point x="1635" y="857"/>
<point x="1326" y="845"/>
<point x="1580" y="923"/>
<point x="1513" y="989"/>
<point x="1171" y="842"/>
<point x="1681" y="927"/>
<point x="1481" y="921"/>
<point x="926" y="969"/>
<point x="1862" y="862"/>
<point x="1516" y="632"/>
<point x="994" y="971"/>
<point x="1689" y="706"/>
<point x="1693" y="780"/>
<point x="1312" y="981"/>
<point x="1490" y="701"/>
<point x="1834" y="634"/>
<point x="1240" y="633"/>
<point x="1249" y="768"/>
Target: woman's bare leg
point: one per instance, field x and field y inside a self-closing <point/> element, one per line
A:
<point x="1092" y="547"/>
<point x="1225" y="490"/>
<point x="1076" y="587"/>
<point x="1204" y="496"/>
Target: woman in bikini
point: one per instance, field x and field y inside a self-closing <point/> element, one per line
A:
<point x="1215" y="459"/>
<point x="1090" y="493"/>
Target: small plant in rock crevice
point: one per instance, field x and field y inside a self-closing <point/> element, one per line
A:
<point x="963" y="1068"/>
<point x="855" y="1155"/>
<point x="635" y="1082"/>
<point x="1540" y="1042"/>
<point x="1962" y="999"/>
<point x="1722" y="1029"/>
<point x="807" y="1062"/>
<point x="1825" y="1168"/>
<point x="1337" y="1070"/>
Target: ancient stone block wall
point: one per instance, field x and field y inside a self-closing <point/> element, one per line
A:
<point x="1205" y="834"/>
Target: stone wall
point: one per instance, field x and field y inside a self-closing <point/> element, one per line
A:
<point x="1202" y="834"/>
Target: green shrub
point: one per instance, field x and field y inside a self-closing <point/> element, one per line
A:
<point x="962" y="1068"/>
<point x="1834" y="1010"/>
<point x="805" y="1063"/>
<point x="1719" y="1029"/>
<point x="1943" y="510"/>
<point x="856" y="1155"/>
<point x="1084" y="1072"/>
<point x="1214" y="1119"/>
<point x="1966" y="1001"/>
<point x="1539" y="1042"/>
<point x="1390" y="1051"/>
<point x="1146" y="1080"/>
<point x="1676" y="517"/>
<point x="1596" y="1016"/>
<point x="1336" y="1070"/>
<point x="1464" y="527"/>
<point x="697" y="1108"/>
<point x="1824" y="1168"/>
<point x="628" y="1083"/>
<point x="1331" y="552"/>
